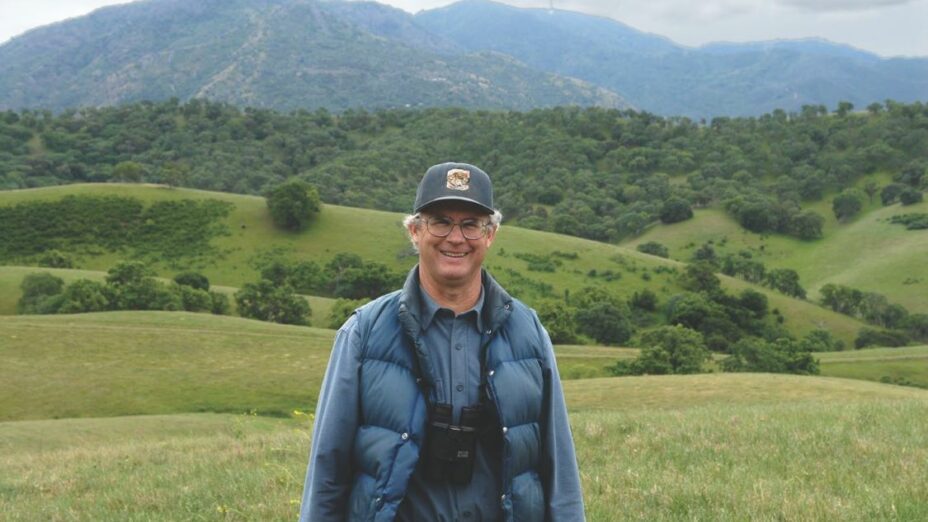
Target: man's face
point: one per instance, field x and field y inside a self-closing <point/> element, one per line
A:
<point x="453" y="260"/>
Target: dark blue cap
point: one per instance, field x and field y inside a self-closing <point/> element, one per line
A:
<point x="455" y="182"/>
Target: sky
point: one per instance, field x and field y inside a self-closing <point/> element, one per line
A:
<point x="885" y="27"/>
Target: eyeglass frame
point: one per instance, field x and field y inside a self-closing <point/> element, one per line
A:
<point x="484" y="226"/>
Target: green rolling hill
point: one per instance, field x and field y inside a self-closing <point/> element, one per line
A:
<point x="868" y="253"/>
<point x="134" y="363"/>
<point x="378" y="236"/>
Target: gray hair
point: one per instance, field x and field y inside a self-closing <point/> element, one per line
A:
<point x="496" y="218"/>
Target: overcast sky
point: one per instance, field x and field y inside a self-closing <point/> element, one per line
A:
<point x="885" y="27"/>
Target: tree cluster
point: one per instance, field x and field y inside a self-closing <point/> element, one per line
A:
<point x="896" y="325"/>
<point x="346" y="276"/>
<point x="128" y="286"/>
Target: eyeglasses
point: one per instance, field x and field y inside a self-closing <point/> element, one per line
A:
<point x="470" y="228"/>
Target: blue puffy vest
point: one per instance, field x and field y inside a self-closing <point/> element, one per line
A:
<point x="393" y="410"/>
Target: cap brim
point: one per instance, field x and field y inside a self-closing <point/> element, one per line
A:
<point x="481" y="206"/>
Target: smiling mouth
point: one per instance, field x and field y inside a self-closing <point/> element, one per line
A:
<point x="454" y="254"/>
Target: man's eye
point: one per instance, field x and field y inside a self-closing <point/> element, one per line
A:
<point x="441" y="222"/>
<point x="470" y="225"/>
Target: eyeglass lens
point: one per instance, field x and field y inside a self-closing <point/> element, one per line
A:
<point x="442" y="227"/>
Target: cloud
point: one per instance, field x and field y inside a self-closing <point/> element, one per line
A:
<point x="844" y="5"/>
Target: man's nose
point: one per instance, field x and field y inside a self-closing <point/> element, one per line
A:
<point x="457" y="233"/>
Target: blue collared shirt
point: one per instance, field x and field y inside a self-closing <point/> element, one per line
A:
<point x="454" y="341"/>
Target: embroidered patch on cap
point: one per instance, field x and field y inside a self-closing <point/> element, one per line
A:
<point x="458" y="179"/>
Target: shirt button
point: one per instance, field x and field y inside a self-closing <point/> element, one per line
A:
<point x="404" y="436"/>
<point x="460" y="387"/>
<point x="505" y="429"/>
<point x="457" y="347"/>
<point x="491" y="372"/>
<point x="503" y="498"/>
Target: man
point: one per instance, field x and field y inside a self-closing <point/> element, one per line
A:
<point x="442" y="401"/>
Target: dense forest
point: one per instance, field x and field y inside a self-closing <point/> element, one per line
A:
<point x="596" y="173"/>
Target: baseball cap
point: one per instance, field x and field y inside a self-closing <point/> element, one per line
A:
<point x="455" y="182"/>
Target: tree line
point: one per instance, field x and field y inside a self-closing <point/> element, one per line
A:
<point x="595" y="173"/>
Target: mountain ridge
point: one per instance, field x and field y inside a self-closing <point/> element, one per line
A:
<point x="661" y="76"/>
<point x="479" y="54"/>
<point x="282" y="54"/>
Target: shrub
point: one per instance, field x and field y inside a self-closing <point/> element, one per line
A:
<point x="56" y="259"/>
<point x="847" y="204"/>
<point x="654" y="248"/>
<point x="219" y="303"/>
<point x="910" y="197"/>
<point x="192" y="279"/>
<point x="267" y="301"/>
<point x="872" y="337"/>
<point x="785" y="281"/>
<point x="753" y="301"/>
<point x="916" y="221"/>
<point x="128" y="272"/>
<point x="807" y="225"/>
<point x="821" y="341"/>
<point x="644" y="300"/>
<point x="667" y="350"/>
<point x="342" y="310"/>
<point x="194" y="299"/>
<point x="675" y="210"/>
<point x="783" y="355"/>
<point x="559" y="319"/>
<point x="84" y="296"/>
<point x="603" y="316"/>
<point x="917" y="326"/>
<point x="293" y="204"/>
<point x="700" y="277"/>
<point x="37" y="289"/>
<point x="891" y="192"/>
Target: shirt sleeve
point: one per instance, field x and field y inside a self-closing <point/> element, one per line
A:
<point x="561" y="477"/>
<point x="330" y="473"/>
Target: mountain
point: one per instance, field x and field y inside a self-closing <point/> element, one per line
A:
<point x="282" y="54"/>
<point x="657" y="75"/>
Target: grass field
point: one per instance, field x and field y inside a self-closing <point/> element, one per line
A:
<point x="127" y="363"/>
<point x="758" y="447"/>
<point x="378" y="236"/>
<point x="138" y="436"/>
<point x="131" y="363"/>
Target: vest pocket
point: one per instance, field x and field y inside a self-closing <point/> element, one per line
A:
<point x="528" y="498"/>
<point x="362" y="505"/>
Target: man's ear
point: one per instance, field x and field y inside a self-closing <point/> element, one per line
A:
<point x="413" y="230"/>
<point x="491" y="235"/>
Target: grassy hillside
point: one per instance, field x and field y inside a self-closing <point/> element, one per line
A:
<point x="757" y="447"/>
<point x="132" y="363"/>
<point x="378" y="236"/>
<point x="868" y="253"/>
<point x="907" y="365"/>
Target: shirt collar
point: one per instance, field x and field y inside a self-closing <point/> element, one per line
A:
<point x="430" y="308"/>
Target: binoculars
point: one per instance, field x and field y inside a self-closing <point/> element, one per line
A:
<point x="450" y="449"/>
